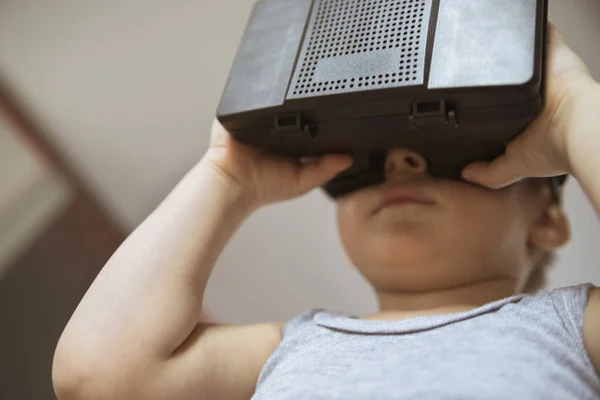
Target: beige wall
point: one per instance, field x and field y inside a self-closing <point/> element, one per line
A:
<point x="128" y="90"/>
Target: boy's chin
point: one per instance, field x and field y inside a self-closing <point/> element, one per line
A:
<point x="415" y="270"/>
<point x="405" y="250"/>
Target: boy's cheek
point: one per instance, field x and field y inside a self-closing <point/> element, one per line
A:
<point x="361" y="203"/>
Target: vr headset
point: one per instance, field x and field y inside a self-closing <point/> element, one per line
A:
<point x="454" y="80"/>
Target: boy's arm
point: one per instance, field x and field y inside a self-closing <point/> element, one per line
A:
<point x="583" y="143"/>
<point x="591" y="328"/>
<point x="135" y="335"/>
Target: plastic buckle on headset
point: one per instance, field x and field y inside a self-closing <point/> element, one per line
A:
<point x="293" y="126"/>
<point x="434" y="112"/>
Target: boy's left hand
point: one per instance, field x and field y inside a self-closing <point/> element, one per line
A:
<point x="542" y="150"/>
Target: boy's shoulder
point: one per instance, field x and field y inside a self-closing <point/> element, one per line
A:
<point x="301" y="321"/>
<point x="567" y="301"/>
<point x="564" y="306"/>
<point x="567" y="297"/>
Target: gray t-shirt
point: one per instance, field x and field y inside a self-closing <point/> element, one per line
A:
<point x="523" y="347"/>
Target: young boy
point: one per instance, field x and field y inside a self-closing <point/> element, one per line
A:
<point x="449" y="262"/>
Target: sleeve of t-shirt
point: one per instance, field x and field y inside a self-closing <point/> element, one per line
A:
<point x="571" y="304"/>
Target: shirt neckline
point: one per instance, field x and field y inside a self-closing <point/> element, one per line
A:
<point x="350" y="324"/>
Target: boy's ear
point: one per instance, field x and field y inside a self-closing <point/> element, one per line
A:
<point x="551" y="230"/>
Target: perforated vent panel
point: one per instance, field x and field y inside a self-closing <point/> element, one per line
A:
<point x="355" y="45"/>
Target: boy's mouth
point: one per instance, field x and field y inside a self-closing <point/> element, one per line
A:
<point x="403" y="195"/>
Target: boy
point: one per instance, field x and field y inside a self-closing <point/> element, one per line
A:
<point x="448" y="260"/>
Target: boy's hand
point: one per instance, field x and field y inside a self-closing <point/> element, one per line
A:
<point x="265" y="178"/>
<point x="543" y="149"/>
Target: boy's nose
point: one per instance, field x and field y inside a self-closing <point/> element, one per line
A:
<point x="400" y="161"/>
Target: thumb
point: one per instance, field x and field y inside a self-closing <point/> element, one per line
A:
<point x="322" y="170"/>
<point x="495" y="175"/>
<point x="510" y="167"/>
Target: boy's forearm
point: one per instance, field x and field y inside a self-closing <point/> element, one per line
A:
<point x="148" y="298"/>
<point x="583" y="141"/>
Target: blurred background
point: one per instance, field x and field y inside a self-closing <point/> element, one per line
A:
<point x="104" y="105"/>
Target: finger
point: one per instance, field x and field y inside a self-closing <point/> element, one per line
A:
<point x="322" y="170"/>
<point x="555" y="36"/>
<point x="308" y="160"/>
<point x="218" y="134"/>
<point x="495" y="175"/>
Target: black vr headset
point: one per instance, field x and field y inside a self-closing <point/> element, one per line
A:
<point x="454" y="80"/>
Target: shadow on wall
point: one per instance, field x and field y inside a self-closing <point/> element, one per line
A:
<point x="53" y="241"/>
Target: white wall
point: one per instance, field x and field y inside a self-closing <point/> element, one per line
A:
<point x="128" y="90"/>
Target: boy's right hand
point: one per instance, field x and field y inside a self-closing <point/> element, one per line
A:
<point x="265" y="178"/>
<point x="547" y="147"/>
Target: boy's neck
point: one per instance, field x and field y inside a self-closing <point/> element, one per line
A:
<point x="402" y="305"/>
